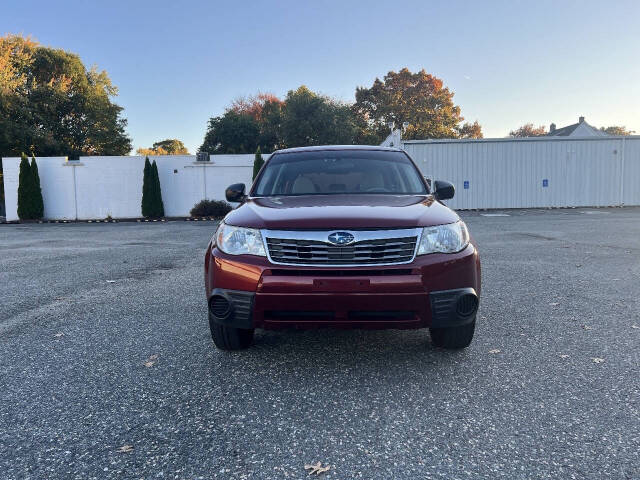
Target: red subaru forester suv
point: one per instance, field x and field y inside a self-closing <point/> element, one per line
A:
<point x="341" y="237"/>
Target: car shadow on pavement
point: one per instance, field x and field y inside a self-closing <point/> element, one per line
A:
<point x="369" y="352"/>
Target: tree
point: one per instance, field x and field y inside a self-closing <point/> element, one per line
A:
<point x="151" y="151"/>
<point x="254" y="105"/>
<point x="232" y="133"/>
<point x="312" y="119"/>
<point x="615" y="130"/>
<point x="165" y="147"/>
<point x="147" y="186"/>
<point x="417" y="98"/>
<point x="471" y="130"/>
<point x="266" y="109"/>
<point x="50" y="103"/>
<point x="157" y="204"/>
<point x="38" y="202"/>
<point x="271" y="126"/>
<point x="258" y="162"/>
<point x="304" y="118"/>
<point x="27" y="201"/>
<point x="528" y="130"/>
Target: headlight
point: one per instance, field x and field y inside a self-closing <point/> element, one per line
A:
<point x="239" y="241"/>
<point x="450" y="238"/>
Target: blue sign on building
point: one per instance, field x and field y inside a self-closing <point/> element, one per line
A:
<point x="466" y="184"/>
<point x="545" y="182"/>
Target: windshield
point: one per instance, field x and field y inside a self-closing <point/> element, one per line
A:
<point x="338" y="172"/>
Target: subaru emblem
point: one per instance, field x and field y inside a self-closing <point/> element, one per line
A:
<point x="341" y="238"/>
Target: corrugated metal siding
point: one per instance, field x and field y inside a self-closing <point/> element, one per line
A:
<point x="510" y="173"/>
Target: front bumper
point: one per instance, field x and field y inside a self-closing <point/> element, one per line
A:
<point x="435" y="290"/>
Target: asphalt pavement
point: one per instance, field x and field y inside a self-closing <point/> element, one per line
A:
<point x="107" y="369"/>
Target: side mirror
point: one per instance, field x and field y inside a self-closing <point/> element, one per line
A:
<point x="444" y="190"/>
<point x="235" y="192"/>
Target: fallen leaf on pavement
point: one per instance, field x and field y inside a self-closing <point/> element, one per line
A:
<point x="150" y="361"/>
<point x="598" y="360"/>
<point x="495" y="350"/>
<point x="317" y="468"/>
<point x="125" y="449"/>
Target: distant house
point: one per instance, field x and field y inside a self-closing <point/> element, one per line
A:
<point x="580" y="129"/>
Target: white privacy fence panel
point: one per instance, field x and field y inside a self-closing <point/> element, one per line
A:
<point x="57" y="189"/>
<point x="98" y="187"/>
<point x="523" y="173"/>
<point x="109" y="187"/>
<point x="488" y="173"/>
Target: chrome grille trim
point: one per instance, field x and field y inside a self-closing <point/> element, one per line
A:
<point x="369" y="248"/>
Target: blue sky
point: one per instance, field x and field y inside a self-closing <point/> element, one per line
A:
<point x="178" y="63"/>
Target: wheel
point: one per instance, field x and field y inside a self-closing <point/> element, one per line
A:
<point x="453" y="337"/>
<point x="230" y="338"/>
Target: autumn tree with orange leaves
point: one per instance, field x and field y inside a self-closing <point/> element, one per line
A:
<point x="421" y="99"/>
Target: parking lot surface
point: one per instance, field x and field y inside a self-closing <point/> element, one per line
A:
<point x="107" y="369"/>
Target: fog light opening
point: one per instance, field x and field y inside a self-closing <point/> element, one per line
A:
<point x="219" y="306"/>
<point x="467" y="305"/>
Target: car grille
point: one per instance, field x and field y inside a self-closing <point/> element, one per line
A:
<point x="364" y="252"/>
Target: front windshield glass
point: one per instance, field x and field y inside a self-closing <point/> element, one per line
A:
<point x="328" y="172"/>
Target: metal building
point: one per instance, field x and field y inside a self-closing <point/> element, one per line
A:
<point x="534" y="172"/>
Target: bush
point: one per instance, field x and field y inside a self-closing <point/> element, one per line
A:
<point x="258" y="161"/>
<point x="158" y="206"/>
<point x="30" y="205"/>
<point x="152" y="205"/>
<point x="38" y="200"/>
<point x="211" y="208"/>
<point x="146" y="189"/>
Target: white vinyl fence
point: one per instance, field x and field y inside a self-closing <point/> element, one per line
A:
<point x="487" y="173"/>
<point x="98" y="187"/>
<point x="534" y="172"/>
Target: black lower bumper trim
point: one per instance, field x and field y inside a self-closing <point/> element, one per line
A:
<point x="452" y="308"/>
<point x="231" y="307"/>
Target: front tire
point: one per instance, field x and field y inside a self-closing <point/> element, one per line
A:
<point x="230" y="338"/>
<point x="453" y="337"/>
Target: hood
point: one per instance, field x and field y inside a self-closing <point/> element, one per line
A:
<point x="341" y="212"/>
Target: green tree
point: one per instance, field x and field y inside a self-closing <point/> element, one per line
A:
<point x="147" y="186"/>
<point x="258" y="161"/>
<point x="232" y="133"/>
<point x="37" y="190"/>
<point x="528" y="130"/>
<point x="420" y="99"/>
<point x="50" y="103"/>
<point x="271" y="126"/>
<point x="312" y="119"/>
<point x="165" y="147"/>
<point x="27" y="205"/>
<point x="303" y="118"/>
<point x="615" y="130"/>
<point x="266" y="109"/>
<point x="157" y="208"/>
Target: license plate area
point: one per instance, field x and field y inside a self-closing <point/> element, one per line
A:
<point x="346" y="285"/>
